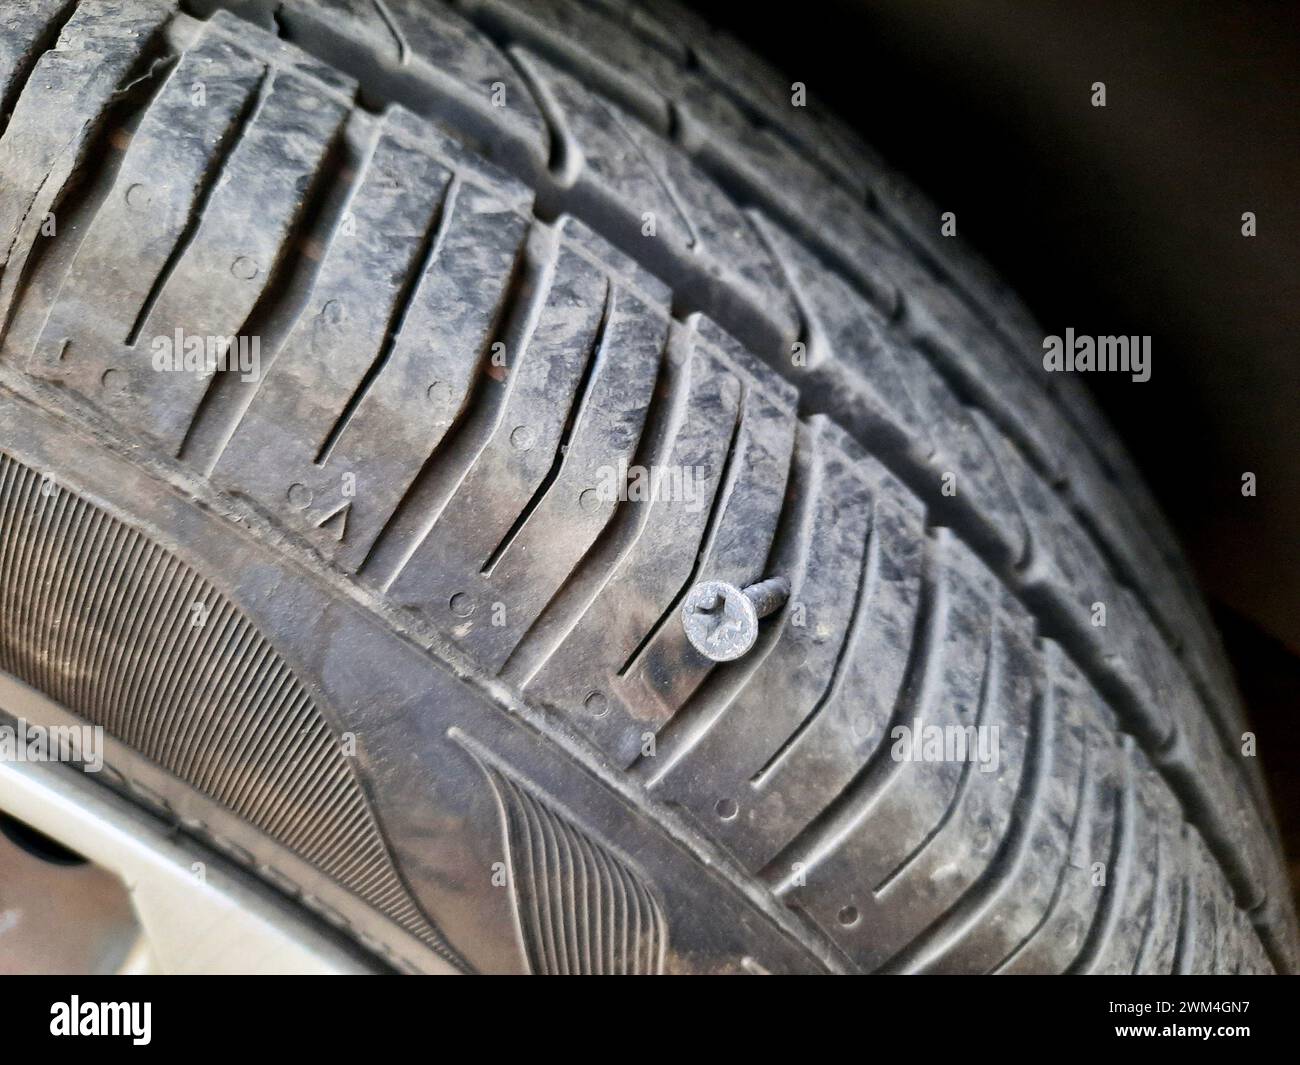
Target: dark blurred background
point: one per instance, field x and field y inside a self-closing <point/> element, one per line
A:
<point x="1122" y="220"/>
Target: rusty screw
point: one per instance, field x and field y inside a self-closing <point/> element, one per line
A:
<point x="721" y="620"/>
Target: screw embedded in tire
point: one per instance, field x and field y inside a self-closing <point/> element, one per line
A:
<point x="721" y="620"/>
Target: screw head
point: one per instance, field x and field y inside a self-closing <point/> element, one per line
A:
<point x="719" y="620"/>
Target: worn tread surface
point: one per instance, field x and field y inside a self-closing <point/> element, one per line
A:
<point x="492" y="250"/>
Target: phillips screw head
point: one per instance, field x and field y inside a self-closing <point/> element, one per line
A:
<point x="721" y="620"/>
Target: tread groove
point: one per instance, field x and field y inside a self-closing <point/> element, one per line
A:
<point x="708" y="704"/>
<point x="422" y="504"/>
<point x="21" y="75"/>
<point x="988" y="683"/>
<point x="662" y="424"/>
<point x="227" y="398"/>
<point x="868" y="575"/>
<point x="581" y="400"/>
<point x="730" y="471"/>
<point x="969" y="907"/>
<point x="824" y="832"/>
<point x="1119" y="869"/>
<point x="1078" y="821"/>
<point x="419" y="266"/>
<point x="210" y="183"/>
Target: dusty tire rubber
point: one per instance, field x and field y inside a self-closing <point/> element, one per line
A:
<point x="381" y="612"/>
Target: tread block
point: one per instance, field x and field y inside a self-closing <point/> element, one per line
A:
<point x="646" y="71"/>
<point x="1209" y="913"/>
<point x="624" y="68"/>
<point x="652" y="570"/>
<point x="912" y="836"/>
<point x="667" y="669"/>
<point x="666" y="212"/>
<point x="819" y="444"/>
<point x="532" y="560"/>
<point x="1063" y="566"/>
<point x="706" y="60"/>
<point x="733" y="69"/>
<point x="789" y="682"/>
<point x="1254" y="959"/>
<point x="284" y="55"/>
<point x="434" y="61"/>
<point x="541" y="394"/>
<point x="1078" y="404"/>
<point x="97" y="54"/>
<point x="1060" y="560"/>
<point x="643" y="20"/>
<point x="890" y="395"/>
<point x="110" y="26"/>
<point x="831" y="747"/>
<point x="1132" y="878"/>
<point x="964" y="349"/>
<point x="403" y="350"/>
<point x="243" y="234"/>
<point x="1037" y="874"/>
<point x="1159" y="944"/>
<point x="982" y="293"/>
<point x="24" y="29"/>
<point x="175" y="152"/>
<point x="1226" y="810"/>
<point x="763" y="170"/>
<point x="630" y="274"/>
<point x="674" y="19"/>
<point x="1113" y="519"/>
<point x="815" y="710"/>
<point x="1082" y="881"/>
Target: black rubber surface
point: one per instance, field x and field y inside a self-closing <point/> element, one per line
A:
<point x="491" y="252"/>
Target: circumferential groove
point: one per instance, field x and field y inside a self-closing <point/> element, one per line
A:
<point x="114" y="627"/>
